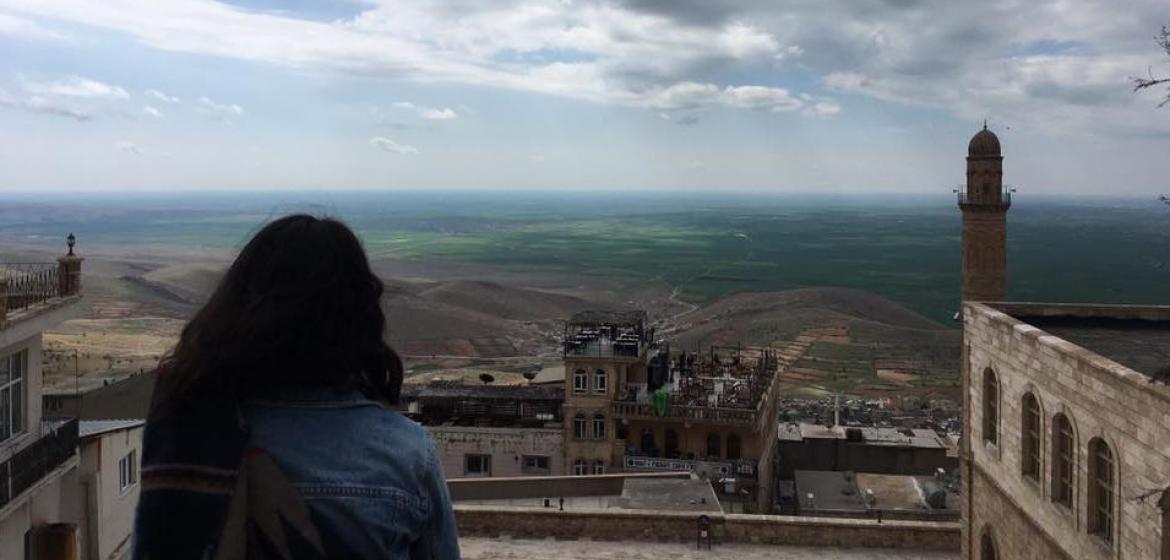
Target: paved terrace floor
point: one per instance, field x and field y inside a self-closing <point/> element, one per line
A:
<point x="508" y="549"/>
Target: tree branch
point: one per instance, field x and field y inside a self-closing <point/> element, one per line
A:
<point x="1163" y="40"/>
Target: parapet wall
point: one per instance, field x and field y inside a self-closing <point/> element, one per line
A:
<point x="503" y="488"/>
<point x="653" y="526"/>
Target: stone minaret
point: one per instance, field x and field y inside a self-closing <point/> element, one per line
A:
<point x="985" y="206"/>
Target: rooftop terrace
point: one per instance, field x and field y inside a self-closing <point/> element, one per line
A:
<point x="1137" y="337"/>
<point x="608" y="334"/>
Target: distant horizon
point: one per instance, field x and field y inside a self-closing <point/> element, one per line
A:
<point x="1020" y="194"/>
<point x="1104" y="248"/>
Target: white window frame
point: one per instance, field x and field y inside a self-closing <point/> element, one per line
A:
<point x="598" y="467"/>
<point x="13" y="390"/>
<point x="580" y="381"/>
<point x="598" y="426"/>
<point x="485" y="463"/>
<point x="580" y="426"/>
<point x="600" y="381"/>
<point x="579" y="467"/>
<point x="128" y="471"/>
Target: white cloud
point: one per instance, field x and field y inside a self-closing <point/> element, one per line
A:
<point x="389" y="145"/>
<point x="76" y="86"/>
<point x="149" y="110"/>
<point x="128" y="147"/>
<point x="437" y="114"/>
<point x="18" y="27"/>
<point x="692" y="95"/>
<point x="760" y="98"/>
<point x="38" y="104"/>
<point x="220" y="111"/>
<point x="430" y="113"/>
<point x="156" y="94"/>
<point x="1020" y="60"/>
<point x="598" y="51"/>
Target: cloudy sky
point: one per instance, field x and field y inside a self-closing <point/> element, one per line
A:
<point x="803" y="95"/>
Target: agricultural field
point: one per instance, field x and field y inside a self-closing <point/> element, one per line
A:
<point x="492" y="275"/>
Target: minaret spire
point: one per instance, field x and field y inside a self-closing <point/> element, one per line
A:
<point x="984" y="204"/>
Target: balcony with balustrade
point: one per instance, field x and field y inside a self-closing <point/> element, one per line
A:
<point x="51" y="449"/>
<point x="32" y="289"/>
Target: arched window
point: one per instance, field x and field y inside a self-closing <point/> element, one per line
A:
<point x="987" y="546"/>
<point x="733" y="446"/>
<point x="713" y="445"/>
<point x="1063" y="455"/>
<point x="598" y="467"/>
<point x="580" y="428"/>
<point x="580" y="381"/>
<point x="579" y="467"/>
<point x="671" y="445"/>
<point x="1102" y="475"/>
<point x="990" y="407"/>
<point x="1030" y="432"/>
<point x="598" y="426"/>
<point x="599" y="381"/>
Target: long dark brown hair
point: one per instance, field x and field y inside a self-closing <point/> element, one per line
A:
<point x="298" y="307"/>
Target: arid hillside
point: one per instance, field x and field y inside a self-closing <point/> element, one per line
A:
<point x="458" y="322"/>
<point x="856" y="342"/>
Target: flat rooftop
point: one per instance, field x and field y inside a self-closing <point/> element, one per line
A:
<point x="449" y="390"/>
<point x="887" y="437"/>
<point x="476" y="548"/>
<point x="1137" y="337"/>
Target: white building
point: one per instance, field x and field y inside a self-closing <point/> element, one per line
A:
<point x="38" y="456"/>
<point x="108" y="489"/>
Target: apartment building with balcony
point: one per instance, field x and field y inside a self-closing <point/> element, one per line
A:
<point x="38" y="454"/>
<point x="633" y="406"/>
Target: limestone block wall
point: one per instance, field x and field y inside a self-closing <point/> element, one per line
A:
<point x="507" y="447"/>
<point x="650" y="526"/>
<point x="1102" y="399"/>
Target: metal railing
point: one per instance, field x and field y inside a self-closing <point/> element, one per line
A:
<point x="23" y="470"/>
<point x="738" y="416"/>
<point x="720" y="468"/>
<point x="27" y="284"/>
<point x="1005" y="198"/>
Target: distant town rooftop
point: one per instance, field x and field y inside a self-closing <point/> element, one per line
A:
<point x="632" y="318"/>
<point x="893" y="437"/>
<point x="846" y="492"/>
<point x="1137" y="337"/>
<point x="483" y="392"/>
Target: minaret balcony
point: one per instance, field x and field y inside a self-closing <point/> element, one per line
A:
<point x="1004" y="199"/>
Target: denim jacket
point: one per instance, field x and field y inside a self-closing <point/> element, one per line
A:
<point x="372" y="474"/>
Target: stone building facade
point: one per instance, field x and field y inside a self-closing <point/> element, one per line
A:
<point x="472" y="452"/>
<point x="1067" y="437"/>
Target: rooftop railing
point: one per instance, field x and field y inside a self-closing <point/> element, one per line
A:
<point x="738" y="416"/>
<point x="23" y="285"/>
<point x="58" y="442"/>
<point x="720" y="468"/>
